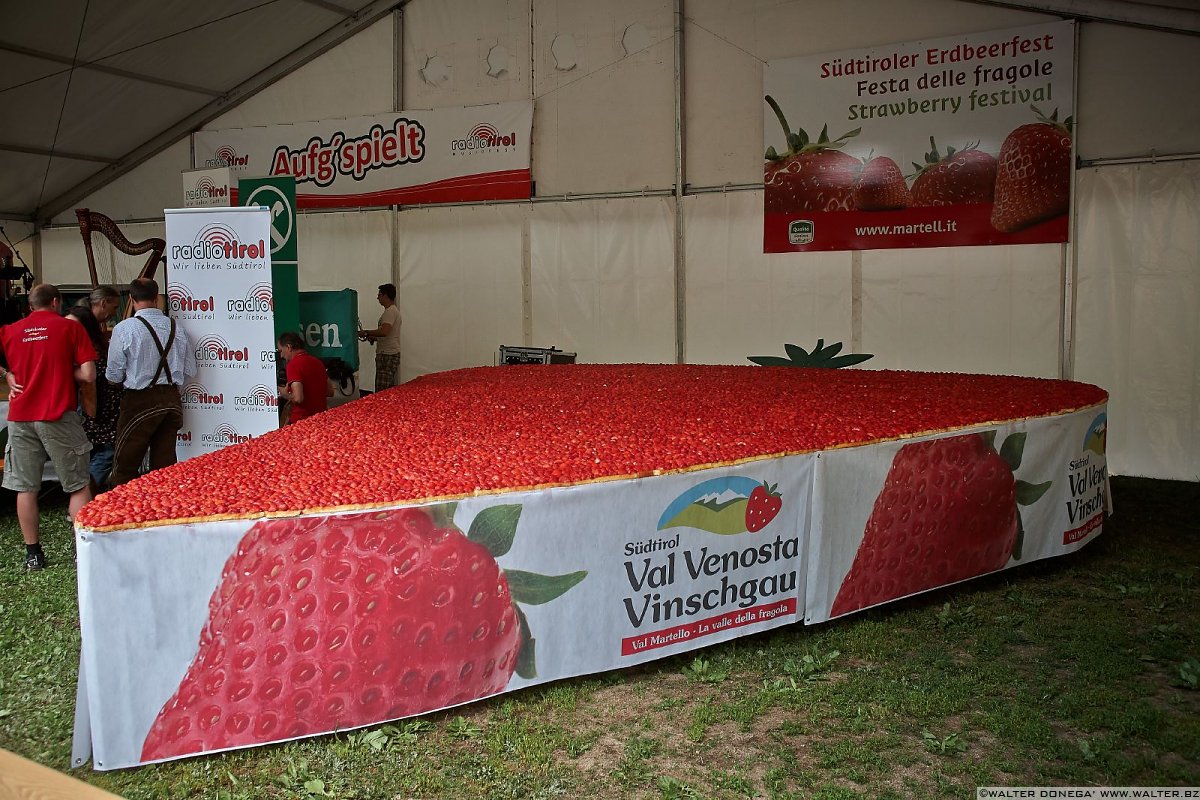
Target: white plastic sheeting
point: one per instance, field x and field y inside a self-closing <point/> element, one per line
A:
<point x="1138" y="332"/>
<point x="460" y="285"/>
<point x="963" y="309"/>
<point x="743" y="302"/>
<point x="603" y="280"/>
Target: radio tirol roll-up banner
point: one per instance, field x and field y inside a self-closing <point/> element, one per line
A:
<point x="219" y="269"/>
<point x="964" y="140"/>
<point x="278" y="196"/>
<point x="403" y="157"/>
<point x="329" y="324"/>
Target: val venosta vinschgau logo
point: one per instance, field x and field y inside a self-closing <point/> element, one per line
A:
<point x="726" y="506"/>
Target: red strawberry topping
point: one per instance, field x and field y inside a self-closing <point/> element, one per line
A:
<point x="335" y="622"/>
<point x="492" y="429"/>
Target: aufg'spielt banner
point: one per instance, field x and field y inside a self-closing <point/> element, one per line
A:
<point x="219" y="291"/>
<point x="963" y="140"/>
<point x="405" y="157"/>
<point x="250" y="631"/>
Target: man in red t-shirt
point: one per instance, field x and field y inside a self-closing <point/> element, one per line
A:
<point x="307" y="384"/>
<point x="48" y="355"/>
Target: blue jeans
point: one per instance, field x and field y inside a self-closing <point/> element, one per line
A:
<point x="101" y="464"/>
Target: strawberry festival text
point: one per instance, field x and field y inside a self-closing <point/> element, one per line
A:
<point x="648" y="574"/>
<point x="321" y="162"/>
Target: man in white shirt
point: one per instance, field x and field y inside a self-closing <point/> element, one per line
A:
<point x="153" y="358"/>
<point x="387" y="338"/>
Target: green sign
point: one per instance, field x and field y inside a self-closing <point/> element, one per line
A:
<point x="329" y="324"/>
<point x="278" y="195"/>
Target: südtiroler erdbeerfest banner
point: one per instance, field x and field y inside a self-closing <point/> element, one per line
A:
<point x="963" y="140"/>
<point x="430" y="156"/>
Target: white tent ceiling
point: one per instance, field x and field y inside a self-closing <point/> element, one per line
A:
<point x="91" y="88"/>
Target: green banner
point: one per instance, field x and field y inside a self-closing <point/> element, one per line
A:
<point x="329" y="324"/>
<point x="278" y="195"/>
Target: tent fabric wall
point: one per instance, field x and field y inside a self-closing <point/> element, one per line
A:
<point x="460" y="285"/>
<point x="979" y="309"/>
<point x="1138" y="331"/>
<point x="743" y="302"/>
<point x="469" y="277"/>
<point x="603" y="284"/>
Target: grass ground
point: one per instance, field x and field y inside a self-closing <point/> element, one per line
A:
<point x="1083" y="670"/>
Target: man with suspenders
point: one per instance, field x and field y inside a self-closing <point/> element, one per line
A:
<point x="153" y="358"/>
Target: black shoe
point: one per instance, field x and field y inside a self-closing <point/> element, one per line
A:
<point x="35" y="562"/>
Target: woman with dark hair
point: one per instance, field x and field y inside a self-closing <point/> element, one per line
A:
<point x="343" y="386"/>
<point x="101" y="405"/>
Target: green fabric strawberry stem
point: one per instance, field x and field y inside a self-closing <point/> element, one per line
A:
<point x="495" y="528"/>
<point x="1013" y="452"/>
<point x="821" y="356"/>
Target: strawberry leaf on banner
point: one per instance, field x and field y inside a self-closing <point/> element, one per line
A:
<point x="1030" y="493"/>
<point x="989" y="438"/>
<point x="495" y="528"/>
<point x="1013" y="450"/>
<point x="534" y="589"/>
<point x="526" y="656"/>
<point x="1020" y="542"/>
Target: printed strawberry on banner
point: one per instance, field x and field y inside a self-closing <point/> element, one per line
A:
<point x="809" y="176"/>
<point x="328" y="623"/>
<point x="948" y="511"/>
<point x="1033" y="177"/>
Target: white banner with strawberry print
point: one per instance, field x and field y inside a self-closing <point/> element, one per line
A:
<point x="205" y="637"/>
<point x="901" y="518"/>
<point x="438" y="155"/>
<point x="962" y="140"/>
<point x="219" y="290"/>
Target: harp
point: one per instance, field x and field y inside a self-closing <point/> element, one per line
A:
<point x="117" y="271"/>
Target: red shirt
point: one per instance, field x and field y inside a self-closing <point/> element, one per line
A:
<point x="43" y="350"/>
<point x="309" y="372"/>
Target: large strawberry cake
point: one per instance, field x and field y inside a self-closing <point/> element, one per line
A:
<point x="494" y="429"/>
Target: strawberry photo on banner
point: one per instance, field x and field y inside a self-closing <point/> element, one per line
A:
<point x="963" y="140"/>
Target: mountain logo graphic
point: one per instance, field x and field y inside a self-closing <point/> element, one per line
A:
<point x="726" y="506"/>
<point x="1096" y="438"/>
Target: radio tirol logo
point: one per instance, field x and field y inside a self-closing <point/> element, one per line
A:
<point x="214" y="351"/>
<point x="206" y="190"/>
<point x="218" y="245"/>
<point x="321" y="162"/>
<point x="1088" y="478"/>
<point x="195" y="395"/>
<point x="224" y="434"/>
<point x="186" y="306"/>
<point x="483" y="137"/>
<point x="226" y="156"/>
<point x="257" y="304"/>
<point x="260" y="396"/>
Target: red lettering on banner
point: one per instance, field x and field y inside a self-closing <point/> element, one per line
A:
<point x="707" y="627"/>
<point x="1074" y="535"/>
